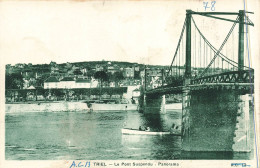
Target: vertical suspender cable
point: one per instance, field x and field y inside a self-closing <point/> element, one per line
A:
<point x="214" y="64"/>
<point x="204" y="63"/>
<point x="233" y="49"/>
<point x="222" y="64"/>
<point x="176" y="68"/>
<point x="200" y="53"/>
<point x="179" y="63"/>
<point x="226" y="47"/>
<point x="210" y="59"/>
<point x="206" y="57"/>
<point x="195" y="50"/>
<point x="183" y="54"/>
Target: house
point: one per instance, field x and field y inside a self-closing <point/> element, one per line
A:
<point x="128" y="72"/>
<point x="31" y="87"/>
<point x="129" y="94"/>
<point x="19" y="65"/>
<point x="111" y="69"/>
<point x="54" y="69"/>
<point x="51" y="82"/>
<point x="136" y="94"/>
<point x="99" y="67"/>
<point x="84" y="71"/>
<point x="154" y="72"/>
<point x="137" y="68"/>
<point x="112" y="84"/>
<point x="25" y="83"/>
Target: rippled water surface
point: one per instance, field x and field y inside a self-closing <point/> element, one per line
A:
<point x="96" y="136"/>
<point x="82" y="135"/>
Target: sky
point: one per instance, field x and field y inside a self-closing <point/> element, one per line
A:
<point x="74" y="31"/>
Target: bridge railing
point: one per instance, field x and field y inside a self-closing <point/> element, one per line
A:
<point x="246" y="76"/>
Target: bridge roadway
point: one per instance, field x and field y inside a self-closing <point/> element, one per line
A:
<point x="247" y="87"/>
<point x="235" y="80"/>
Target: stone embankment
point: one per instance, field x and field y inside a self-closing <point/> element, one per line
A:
<point x="46" y="107"/>
<point x="74" y="106"/>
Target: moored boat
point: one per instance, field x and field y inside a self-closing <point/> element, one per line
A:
<point x="140" y="132"/>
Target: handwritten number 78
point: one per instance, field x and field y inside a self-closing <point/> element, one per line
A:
<point x="212" y="7"/>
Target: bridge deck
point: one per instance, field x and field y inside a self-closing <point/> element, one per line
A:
<point x="238" y="80"/>
<point x="246" y="87"/>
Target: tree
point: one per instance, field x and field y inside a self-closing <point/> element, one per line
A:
<point x="68" y="66"/>
<point x="90" y="73"/>
<point x="53" y="64"/>
<point x="111" y="77"/>
<point x="137" y="75"/>
<point x="39" y="82"/>
<point x="101" y="76"/>
<point x="118" y="76"/>
<point x="77" y="72"/>
<point x="8" y="68"/>
<point x="14" y="81"/>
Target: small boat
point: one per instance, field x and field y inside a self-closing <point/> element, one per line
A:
<point x="140" y="132"/>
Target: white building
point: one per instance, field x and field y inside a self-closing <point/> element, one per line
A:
<point x="82" y="83"/>
<point x="67" y="83"/>
<point x="136" y="95"/>
<point x="129" y="94"/>
<point x="94" y="83"/>
<point x="51" y="82"/>
<point x="128" y="72"/>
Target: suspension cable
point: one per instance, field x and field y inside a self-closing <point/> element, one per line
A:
<point x="212" y="47"/>
<point x="183" y="28"/>
<point x="224" y="42"/>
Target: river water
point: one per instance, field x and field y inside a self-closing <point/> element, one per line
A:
<point x="94" y="136"/>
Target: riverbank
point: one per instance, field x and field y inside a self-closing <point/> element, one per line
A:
<point x="46" y="107"/>
<point x="74" y="106"/>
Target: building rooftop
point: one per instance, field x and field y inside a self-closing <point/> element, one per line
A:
<point x="81" y="80"/>
<point x="67" y="79"/>
<point x="31" y="87"/>
<point x="51" y="79"/>
<point x="136" y="90"/>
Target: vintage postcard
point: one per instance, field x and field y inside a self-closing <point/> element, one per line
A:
<point x="145" y="84"/>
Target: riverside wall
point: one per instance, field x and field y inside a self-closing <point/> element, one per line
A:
<point x="122" y="107"/>
<point x="46" y="107"/>
<point x="74" y="106"/>
<point x="116" y="107"/>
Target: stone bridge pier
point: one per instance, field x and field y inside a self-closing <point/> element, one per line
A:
<point x="215" y="120"/>
<point x="155" y="104"/>
<point x="153" y="109"/>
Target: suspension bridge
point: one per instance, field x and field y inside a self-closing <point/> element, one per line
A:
<point x="215" y="85"/>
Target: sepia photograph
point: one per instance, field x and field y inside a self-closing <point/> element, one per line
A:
<point x="154" y="83"/>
